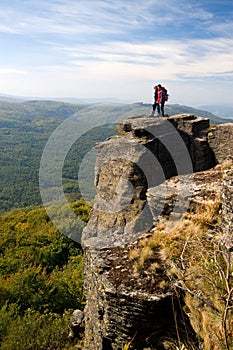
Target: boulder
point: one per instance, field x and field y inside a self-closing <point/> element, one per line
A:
<point x="220" y="139"/>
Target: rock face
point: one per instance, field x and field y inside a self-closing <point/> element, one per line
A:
<point x="167" y="136"/>
<point x="150" y="151"/>
<point x="124" y="304"/>
<point x="116" y="311"/>
<point x="121" y="187"/>
<point x="227" y="210"/>
<point x="220" y="139"/>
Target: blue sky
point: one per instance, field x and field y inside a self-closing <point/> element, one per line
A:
<point x="120" y="49"/>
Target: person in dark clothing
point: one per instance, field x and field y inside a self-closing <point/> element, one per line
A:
<point x="161" y="99"/>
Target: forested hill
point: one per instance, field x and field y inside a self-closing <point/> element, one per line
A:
<point x="41" y="279"/>
<point x="25" y="128"/>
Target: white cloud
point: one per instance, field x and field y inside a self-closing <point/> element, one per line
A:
<point x="169" y="59"/>
<point x="69" y="17"/>
<point x="128" y="70"/>
<point x="98" y="16"/>
<point x="101" y="48"/>
<point x="223" y="28"/>
<point x="12" y="71"/>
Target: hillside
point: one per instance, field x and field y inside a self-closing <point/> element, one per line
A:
<point x="25" y="128"/>
<point x="41" y="280"/>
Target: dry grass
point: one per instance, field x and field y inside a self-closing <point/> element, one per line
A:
<point x="120" y="128"/>
<point x="207" y="214"/>
<point x="134" y="254"/>
<point x="198" y="264"/>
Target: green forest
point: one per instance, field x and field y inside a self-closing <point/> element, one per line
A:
<point x="41" y="270"/>
<point x="24" y="130"/>
<point x="41" y="280"/>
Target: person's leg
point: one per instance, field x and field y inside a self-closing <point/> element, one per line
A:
<point x="153" y="110"/>
<point x="162" y="109"/>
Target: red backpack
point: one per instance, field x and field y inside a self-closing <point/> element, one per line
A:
<point x="165" y="93"/>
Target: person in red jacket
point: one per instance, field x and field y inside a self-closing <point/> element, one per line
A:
<point x="155" y="105"/>
<point x="161" y="99"/>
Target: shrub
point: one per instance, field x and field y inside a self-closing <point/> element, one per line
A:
<point x="34" y="331"/>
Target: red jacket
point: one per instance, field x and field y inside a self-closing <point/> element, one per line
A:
<point x="161" y="96"/>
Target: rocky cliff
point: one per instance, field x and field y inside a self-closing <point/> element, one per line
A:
<point x="148" y="242"/>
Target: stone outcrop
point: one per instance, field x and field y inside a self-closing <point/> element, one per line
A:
<point x="166" y="143"/>
<point x="117" y="308"/>
<point x="150" y="151"/>
<point x="121" y="193"/>
<point x="76" y="324"/>
<point x="220" y="139"/>
<point x="227" y="210"/>
<point x="143" y="177"/>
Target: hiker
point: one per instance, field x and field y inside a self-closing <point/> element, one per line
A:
<point x="156" y="104"/>
<point x="162" y="97"/>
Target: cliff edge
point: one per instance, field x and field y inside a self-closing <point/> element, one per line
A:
<point x="158" y="245"/>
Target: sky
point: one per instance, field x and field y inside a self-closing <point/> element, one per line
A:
<point x="118" y="49"/>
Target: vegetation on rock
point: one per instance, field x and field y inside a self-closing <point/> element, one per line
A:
<point x="201" y="267"/>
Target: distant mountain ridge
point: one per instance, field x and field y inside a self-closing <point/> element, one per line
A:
<point x="220" y="111"/>
<point x="40" y="108"/>
<point x="11" y="98"/>
<point x="225" y="111"/>
<point x="76" y="100"/>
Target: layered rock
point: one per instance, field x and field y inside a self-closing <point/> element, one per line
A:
<point x="220" y="139"/>
<point x="121" y="193"/>
<point x="123" y="303"/>
<point x="227" y="210"/>
<point x="119" y="305"/>
<point x="167" y="146"/>
<point x="150" y="151"/>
